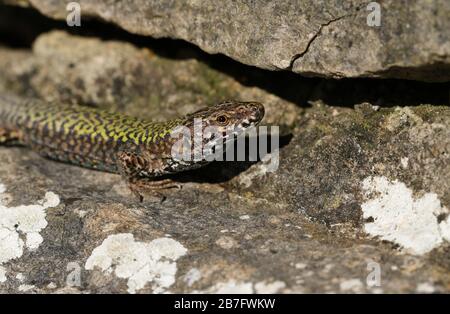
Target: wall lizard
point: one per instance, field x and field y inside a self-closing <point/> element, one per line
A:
<point x="139" y="150"/>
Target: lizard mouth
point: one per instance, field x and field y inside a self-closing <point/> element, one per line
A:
<point x="257" y="113"/>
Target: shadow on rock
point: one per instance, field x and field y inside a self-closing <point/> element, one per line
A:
<point x="224" y="171"/>
<point x="29" y="24"/>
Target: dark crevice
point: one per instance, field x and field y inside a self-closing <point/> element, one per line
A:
<point x="19" y="27"/>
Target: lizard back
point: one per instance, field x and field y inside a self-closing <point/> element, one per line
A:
<point x="80" y="135"/>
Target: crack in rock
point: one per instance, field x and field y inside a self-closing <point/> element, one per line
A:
<point x="316" y="35"/>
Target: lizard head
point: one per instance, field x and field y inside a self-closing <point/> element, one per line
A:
<point x="214" y="126"/>
<point x="221" y="122"/>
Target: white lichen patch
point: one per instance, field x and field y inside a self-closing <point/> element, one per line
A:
<point x="20" y="226"/>
<point x="20" y="277"/>
<point x="227" y="243"/>
<point x="2" y="274"/>
<point x="269" y="288"/>
<point x="397" y="216"/>
<point x="239" y="287"/>
<point x="52" y="285"/>
<point x="404" y="162"/>
<point x="300" y="265"/>
<point x="425" y="287"/>
<point x="353" y="285"/>
<point x="139" y="262"/>
<point x="192" y="276"/>
<point x="25" y="288"/>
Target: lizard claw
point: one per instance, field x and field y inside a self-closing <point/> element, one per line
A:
<point x="153" y="187"/>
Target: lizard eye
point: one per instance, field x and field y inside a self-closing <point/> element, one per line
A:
<point x="222" y="120"/>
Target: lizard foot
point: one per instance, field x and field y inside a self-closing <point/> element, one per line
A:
<point x="142" y="186"/>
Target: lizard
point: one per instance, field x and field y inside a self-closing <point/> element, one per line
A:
<point x="139" y="150"/>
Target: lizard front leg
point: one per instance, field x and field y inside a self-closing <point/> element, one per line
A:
<point x="142" y="175"/>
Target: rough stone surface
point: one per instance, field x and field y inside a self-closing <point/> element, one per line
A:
<point x="314" y="38"/>
<point x="151" y="87"/>
<point x="336" y="149"/>
<point x="233" y="227"/>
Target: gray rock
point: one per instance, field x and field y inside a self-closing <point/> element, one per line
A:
<point x="118" y="76"/>
<point x="315" y="38"/>
<point x="353" y="186"/>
